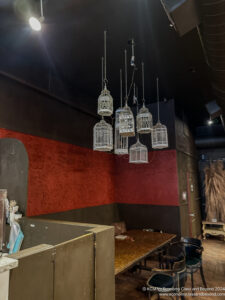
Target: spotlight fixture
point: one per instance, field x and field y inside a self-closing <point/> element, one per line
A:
<point x="35" y="23"/>
<point x="210" y="122"/>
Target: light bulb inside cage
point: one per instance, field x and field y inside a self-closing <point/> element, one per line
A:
<point x="105" y="103"/>
<point x="126" y="122"/>
<point x="144" y="120"/>
<point x="35" y="23"/>
<point x="138" y="153"/>
<point x="120" y="142"/>
<point x="159" y="136"/>
<point x="103" y="136"/>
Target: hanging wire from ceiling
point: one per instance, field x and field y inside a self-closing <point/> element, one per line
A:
<point x="105" y="100"/>
<point x="126" y="118"/>
<point x="144" y="117"/>
<point x="138" y="153"/>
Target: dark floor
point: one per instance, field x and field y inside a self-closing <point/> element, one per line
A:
<point x="127" y="284"/>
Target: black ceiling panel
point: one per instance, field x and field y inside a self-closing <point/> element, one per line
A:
<point x="65" y="57"/>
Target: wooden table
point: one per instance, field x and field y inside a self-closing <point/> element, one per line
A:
<point x="128" y="253"/>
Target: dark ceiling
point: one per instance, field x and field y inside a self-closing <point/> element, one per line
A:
<point x="65" y="57"/>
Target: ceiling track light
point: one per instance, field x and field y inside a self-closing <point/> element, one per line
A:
<point x="36" y="23"/>
<point x="210" y="122"/>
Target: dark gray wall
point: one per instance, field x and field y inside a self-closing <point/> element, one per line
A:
<point x="103" y="214"/>
<point x="14" y="171"/>
<point x="165" y="218"/>
<point x="30" y="111"/>
<point x="136" y="216"/>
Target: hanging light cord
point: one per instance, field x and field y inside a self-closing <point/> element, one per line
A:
<point x="135" y="98"/>
<point x="143" y="83"/>
<point x="121" y="89"/>
<point x="136" y="102"/>
<point x="125" y="74"/>
<point x="157" y="83"/>
<point x="102" y="72"/>
<point x="105" y="79"/>
<point x="132" y="82"/>
<point x="127" y="95"/>
<point x="132" y="62"/>
<point x="41" y="7"/>
<point x="132" y="43"/>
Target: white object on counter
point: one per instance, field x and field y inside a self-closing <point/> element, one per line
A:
<point x="6" y="264"/>
<point x="121" y="237"/>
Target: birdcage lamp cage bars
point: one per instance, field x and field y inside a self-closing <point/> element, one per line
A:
<point x="144" y="121"/>
<point x="105" y="103"/>
<point x="120" y="142"/>
<point x="103" y="136"/>
<point x="159" y="136"/>
<point x="126" y="122"/>
<point x="138" y="153"/>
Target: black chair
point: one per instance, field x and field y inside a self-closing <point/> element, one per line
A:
<point x="167" y="280"/>
<point x="193" y="251"/>
<point x="173" y="253"/>
<point x="159" y="254"/>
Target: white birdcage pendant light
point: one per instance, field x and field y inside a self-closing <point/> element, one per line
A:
<point x="105" y="103"/>
<point x="138" y="153"/>
<point x="144" y="121"/>
<point x="103" y="136"/>
<point x="105" y="100"/>
<point x="126" y="117"/>
<point x="126" y="122"/>
<point x="159" y="136"/>
<point x="120" y="142"/>
<point x="159" y="132"/>
<point x="144" y="117"/>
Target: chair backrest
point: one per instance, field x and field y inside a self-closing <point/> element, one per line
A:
<point x="179" y="266"/>
<point x="191" y="245"/>
<point x="193" y="241"/>
<point x="176" y="249"/>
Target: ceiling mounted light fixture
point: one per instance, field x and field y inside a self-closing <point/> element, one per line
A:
<point x="138" y="153"/>
<point x="144" y="117"/>
<point x="126" y="117"/>
<point x="105" y="100"/>
<point x="35" y="23"/>
<point x="103" y="132"/>
<point x="210" y="122"/>
<point x="159" y="132"/>
<point x="121" y="142"/>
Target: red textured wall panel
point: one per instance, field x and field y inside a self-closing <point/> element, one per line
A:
<point x="155" y="183"/>
<point x="63" y="176"/>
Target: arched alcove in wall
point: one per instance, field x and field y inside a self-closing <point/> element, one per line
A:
<point x="14" y="171"/>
